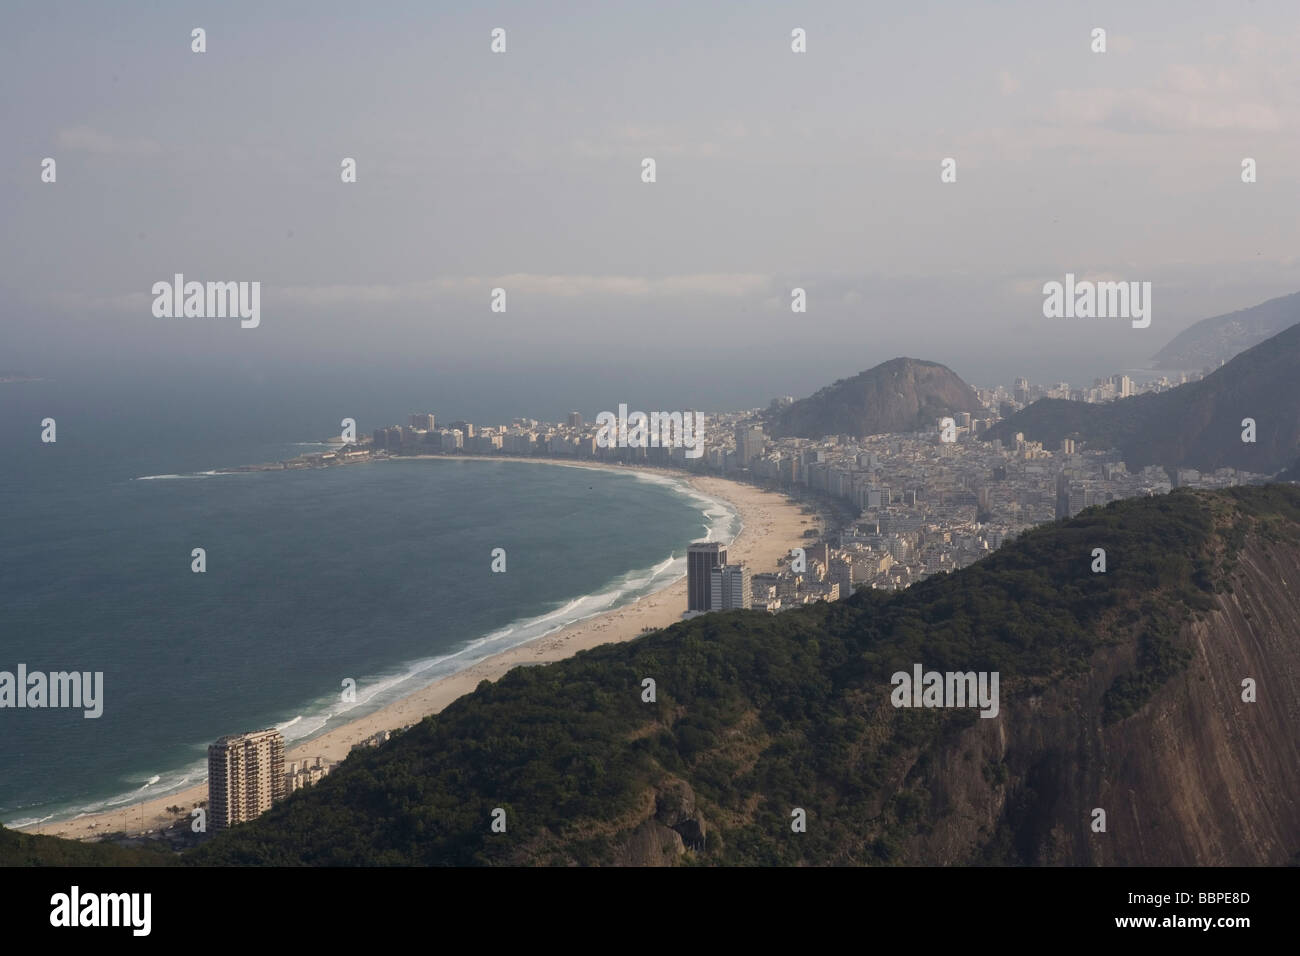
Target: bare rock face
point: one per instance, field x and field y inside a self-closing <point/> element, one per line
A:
<point x="1196" y="777"/>
<point x="674" y="803"/>
<point x="675" y="808"/>
<point x="692" y="833"/>
<point x="675" y="827"/>
<point x="650" y="844"/>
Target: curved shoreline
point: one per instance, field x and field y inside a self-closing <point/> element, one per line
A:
<point x="770" y="524"/>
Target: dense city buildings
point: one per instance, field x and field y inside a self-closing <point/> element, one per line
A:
<point x="890" y="509"/>
<point x="305" y="774"/>
<point x="245" y="776"/>
<point x="749" y="443"/>
<point x="729" y="587"/>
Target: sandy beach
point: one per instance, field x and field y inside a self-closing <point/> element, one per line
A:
<point x="772" y="525"/>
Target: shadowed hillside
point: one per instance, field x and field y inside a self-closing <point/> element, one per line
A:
<point x="1197" y="425"/>
<point x="1213" y="341"/>
<point x="27" y="849"/>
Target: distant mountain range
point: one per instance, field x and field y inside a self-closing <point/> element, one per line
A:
<point x="1213" y="341"/>
<point x="900" y="395"/>
<point x="1197" y="425"/>
<point x="1121" y="692"/>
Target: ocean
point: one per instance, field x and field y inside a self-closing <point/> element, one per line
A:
<point x="377" y="572"/>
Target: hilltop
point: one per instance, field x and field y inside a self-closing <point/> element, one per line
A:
<point x="1211" y="342"/>
<point x="900" y="395"/>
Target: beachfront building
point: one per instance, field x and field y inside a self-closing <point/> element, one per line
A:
<point x="245" y="776"/>
<point x="701" y="558"/>
<point x="729" y="588"/>
<point x="749" y="443"/>
<point x="305" y="774"/>
<point x="374" y="740"/>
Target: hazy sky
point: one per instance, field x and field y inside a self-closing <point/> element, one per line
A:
<point x="523" y="170"/>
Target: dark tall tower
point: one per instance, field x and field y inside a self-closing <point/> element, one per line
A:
<point x="701" y="558"/>
<point x="1062" y="496"/>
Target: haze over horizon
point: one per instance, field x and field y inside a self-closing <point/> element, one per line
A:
<point x="522" y="171"/>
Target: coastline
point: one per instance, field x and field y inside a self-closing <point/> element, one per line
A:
<point x="770" y="525"/>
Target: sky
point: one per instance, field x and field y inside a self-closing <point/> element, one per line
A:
<point x="522" y="170"/>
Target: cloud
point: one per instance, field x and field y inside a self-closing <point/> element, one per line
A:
<point x="87" y="140"/>
<point x="426" y="292"/>
<point x="1248" y="84"/>
<point x="1162" y="110"/>
<point x="80" y="303"/>
<point x="622" y="141"/>
<point x="717" y="285"/>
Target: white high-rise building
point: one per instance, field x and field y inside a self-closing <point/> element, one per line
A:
<point x="245" y="776"/>
<point x="749" y="443"/>
<point x="729" y="588"/>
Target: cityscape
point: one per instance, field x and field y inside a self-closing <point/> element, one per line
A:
<point x="889" y="510"/>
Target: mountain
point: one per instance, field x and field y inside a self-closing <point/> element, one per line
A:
<point x="900" y="395"/>
<point x="1197" y="425"/>
<point x="1120" y="691"/>
<point x="1210" y="342"/>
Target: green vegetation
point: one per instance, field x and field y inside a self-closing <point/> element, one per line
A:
<point x="1159" y="659"/>
<point x="25" y="849"/>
